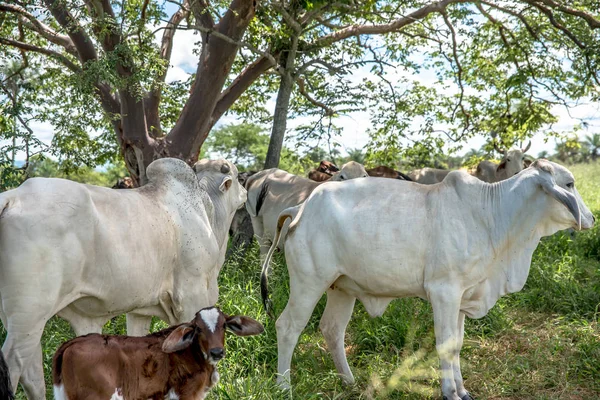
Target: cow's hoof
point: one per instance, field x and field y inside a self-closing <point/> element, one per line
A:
<point x="465" y="397"/>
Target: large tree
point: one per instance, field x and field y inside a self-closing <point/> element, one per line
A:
<point x="109" y="48"/>
<point x="507" y="61"/>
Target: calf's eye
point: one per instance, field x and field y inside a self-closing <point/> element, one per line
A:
<point x="571" y="185"/>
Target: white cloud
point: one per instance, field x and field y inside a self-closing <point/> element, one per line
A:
<point x="176" y="73"/>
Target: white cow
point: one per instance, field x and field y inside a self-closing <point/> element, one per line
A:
<point x="273" y="190"/>
<point x="428" y="176"/>
<point x="89" y="253"/>
<point x="513" y="162"/>
<point x="466" y="244"/>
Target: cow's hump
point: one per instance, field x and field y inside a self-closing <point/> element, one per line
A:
<point x="166" y="170"/>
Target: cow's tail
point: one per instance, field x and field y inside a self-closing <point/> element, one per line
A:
<point x="403" y="177"/>
<point x="289" y="213"/>
<point x="256" y="202"/>
<point x="5" y="385"/>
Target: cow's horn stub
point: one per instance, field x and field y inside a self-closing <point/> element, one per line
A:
<point x="225" y="169"/>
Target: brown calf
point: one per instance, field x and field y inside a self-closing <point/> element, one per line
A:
<point x="323" y="172"/>
<point x="387" y="172"/>
<point x="318" y="176"/>
<point x="178" y="362"/>
<point x="327" y="167"/>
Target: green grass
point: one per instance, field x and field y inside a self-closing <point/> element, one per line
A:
<point x="540" y="343"/>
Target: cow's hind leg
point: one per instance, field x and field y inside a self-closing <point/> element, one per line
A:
<point x="304" y="295"/>
<point x="259" y="234"/>
<point x="336" y="316"/>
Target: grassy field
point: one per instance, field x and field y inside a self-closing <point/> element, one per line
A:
<point x="541" y="343"/>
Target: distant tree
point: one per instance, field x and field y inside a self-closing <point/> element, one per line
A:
<point x="357" y="155"/>
<point x="567" y="151"/>
<point x="593" y="141"/>
<point x="243" y="144"/>
<point x="543" y="154"/>
<point x="45" y="167"/>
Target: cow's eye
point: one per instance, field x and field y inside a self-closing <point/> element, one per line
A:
<point x="571" y="185"/>
<point x="342" y="177"/>
<point x="508" y="159"/>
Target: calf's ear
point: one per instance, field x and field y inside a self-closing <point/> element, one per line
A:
<point x="564" y="196"/>
<point x="179" y="339"/>
<point x="243" y="326"/>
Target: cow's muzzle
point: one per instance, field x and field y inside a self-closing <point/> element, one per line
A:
<point x="217" y="353"/>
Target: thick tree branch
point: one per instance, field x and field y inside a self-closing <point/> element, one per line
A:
<point x="559" y="26"/>
<point x="166" y="48"/>
<point x="508" y="11"/>
<point x="329" y="112"/>
<point x="214" y="65"/>
<point x="81" y="40"/>
<point x="588" y="18"/>
<point x="240" y="84"/>
<point x="287" y="17"/>
<point x="28" y="47"/>
<point x="44" y="30"/>
<point x="239" y="43"/>
<point x="393" y="26"/>
<point x="104" y="24"/>
<point x="204" y="21"/>
<point x="459" y="70"/>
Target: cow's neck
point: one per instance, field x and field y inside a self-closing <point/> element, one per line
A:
<point x="516" y="219"/>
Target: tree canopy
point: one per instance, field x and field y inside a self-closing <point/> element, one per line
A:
<point x="429" y="74"/>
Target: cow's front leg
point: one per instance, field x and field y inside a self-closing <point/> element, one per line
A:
<point x="458" y="380"/>
<point x="138" y="324"/>
<point x="445" y="302"/>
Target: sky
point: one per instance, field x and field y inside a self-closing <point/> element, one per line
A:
<point x="355" y="125"/>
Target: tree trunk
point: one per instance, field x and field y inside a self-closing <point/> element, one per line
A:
<point x="282" y="106"/>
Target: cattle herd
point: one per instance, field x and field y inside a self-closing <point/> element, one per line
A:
<point x="456" y="239"/>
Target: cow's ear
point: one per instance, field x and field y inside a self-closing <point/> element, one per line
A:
<point x="564" y="196"/>
<point x="243" y="326"/>
<point x="225" y="184"/>
<point x="179" y="339"/>
<point x="501" y="166"/>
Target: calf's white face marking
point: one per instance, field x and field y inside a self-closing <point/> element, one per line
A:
<point x="210" y="318"/>
<point x="117" y="395"/>
<point x="172" y="395"/>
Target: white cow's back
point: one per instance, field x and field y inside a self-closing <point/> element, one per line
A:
<point x="121" y="245"/>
